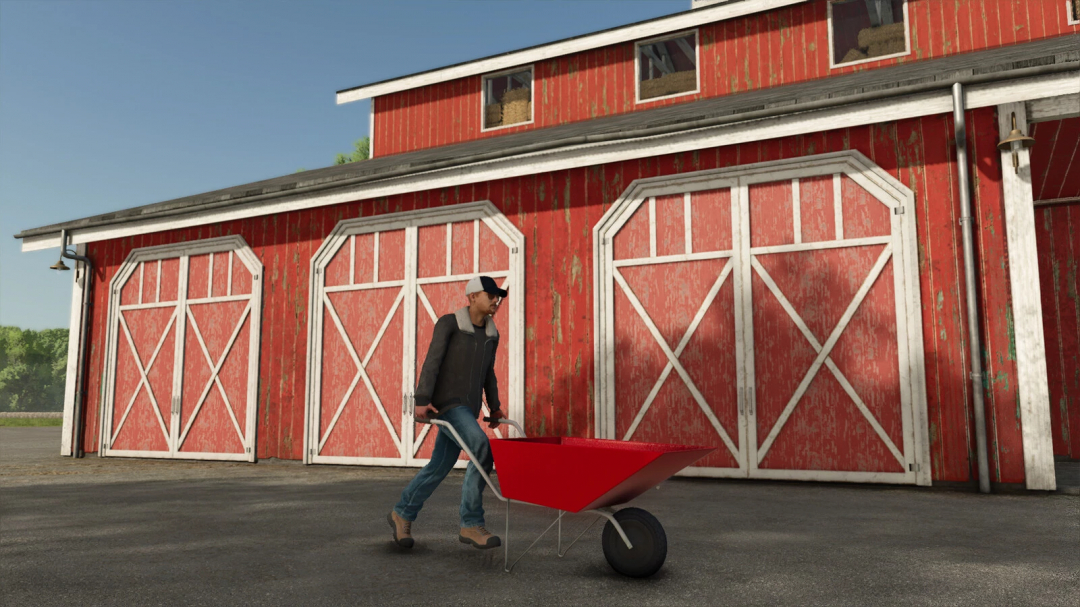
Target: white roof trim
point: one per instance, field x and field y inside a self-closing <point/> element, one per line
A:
<point x="884" y="110"/>
<point x="655" y="27"/>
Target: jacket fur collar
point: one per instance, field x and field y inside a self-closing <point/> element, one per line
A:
<point x="464" y="323"/>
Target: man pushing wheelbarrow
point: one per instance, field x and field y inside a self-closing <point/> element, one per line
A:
<point x="460" y="363"/>
<point x="563" y="473"/>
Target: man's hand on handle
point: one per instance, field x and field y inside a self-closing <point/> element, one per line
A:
<point x="425" y="413"/>
<point x="494" y="416"/>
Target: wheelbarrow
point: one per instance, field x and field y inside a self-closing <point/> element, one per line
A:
<point x="587" y="475"/>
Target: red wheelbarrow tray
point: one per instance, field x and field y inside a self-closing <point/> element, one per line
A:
<point x="575" y="474"/>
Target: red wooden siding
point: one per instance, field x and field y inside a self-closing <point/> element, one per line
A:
<point x="556" y="213"/>
<point x="1057" y="230"/>
<point x="1055" y="159"/>
<point x="782" y="47"/>
<point x="1055" y="174"/>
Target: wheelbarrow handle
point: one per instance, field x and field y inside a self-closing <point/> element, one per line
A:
<point x="468" y="452"/>
<point x="509" y="422"/>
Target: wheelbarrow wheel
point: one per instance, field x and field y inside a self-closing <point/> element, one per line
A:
<point x="648" y="538"/>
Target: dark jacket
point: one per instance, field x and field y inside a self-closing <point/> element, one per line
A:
<point x="459" y="364"/>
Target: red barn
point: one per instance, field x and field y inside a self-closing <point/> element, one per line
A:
<point x="780" y="227"/>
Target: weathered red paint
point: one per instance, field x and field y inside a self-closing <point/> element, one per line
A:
<point x="1057" y="231"/>
<point x="777" y="48"/>
<point x="825" y="431"/>
<point x="556" y="212"/>
<point x="1054" y="176"/>
<point x="1055" y="159"/>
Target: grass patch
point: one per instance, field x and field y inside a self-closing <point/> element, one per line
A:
<point x="24" y="422"/>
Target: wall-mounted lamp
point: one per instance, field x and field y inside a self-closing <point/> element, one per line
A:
<point x="1016" y="140"/>
<point x="64" y="252"/>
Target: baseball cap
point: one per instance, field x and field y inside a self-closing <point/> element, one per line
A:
<point x="486" y="284"/>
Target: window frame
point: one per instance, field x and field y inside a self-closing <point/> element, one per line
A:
<point x="697" y="64"/>
<point x="1072" y="7"/>
<point x="832" y="58"/>
<point x="532" y="97"/>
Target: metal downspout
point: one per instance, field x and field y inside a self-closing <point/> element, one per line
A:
<point x="974" y="340"/>
<point x="84" y="322"/>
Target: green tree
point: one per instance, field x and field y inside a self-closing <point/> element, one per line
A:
<point x="361" y="151"/>
<point x="33" y="369"/>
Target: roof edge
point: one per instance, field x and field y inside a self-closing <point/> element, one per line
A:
<point x="624" y="33"/>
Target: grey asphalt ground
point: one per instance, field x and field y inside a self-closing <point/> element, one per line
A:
<point x="137" y="532"/>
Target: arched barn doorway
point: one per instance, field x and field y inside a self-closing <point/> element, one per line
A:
<point x="771" y="310"/>
<point x="182" y="352"/>
<point x="379" y="284"/>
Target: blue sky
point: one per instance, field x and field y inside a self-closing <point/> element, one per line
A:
<point x="106" y="105"/>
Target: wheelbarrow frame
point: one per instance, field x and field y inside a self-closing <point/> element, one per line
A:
<point x="605" y="512"/>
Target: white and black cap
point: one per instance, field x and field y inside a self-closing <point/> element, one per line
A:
<point x="486" y="284"/>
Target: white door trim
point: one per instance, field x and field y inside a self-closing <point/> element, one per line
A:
<point x="1032" y="387"/>
<point x="74" y="383"/>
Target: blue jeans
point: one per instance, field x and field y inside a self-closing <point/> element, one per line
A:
<point x="443" y="457"/>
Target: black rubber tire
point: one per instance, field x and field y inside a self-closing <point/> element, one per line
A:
<point x="649" y="540"/>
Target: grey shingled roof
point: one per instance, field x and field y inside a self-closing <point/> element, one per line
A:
<point x="793" y="98"/>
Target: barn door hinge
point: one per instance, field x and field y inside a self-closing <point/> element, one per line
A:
<point x="898" y="210"/>
<point x="514" y="250"/>
<point x="913" y="467"/>
<point x="247" y="450"/>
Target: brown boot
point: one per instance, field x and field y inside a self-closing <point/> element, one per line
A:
<point x="479" y="537"/>
<point x="402" y="529"/>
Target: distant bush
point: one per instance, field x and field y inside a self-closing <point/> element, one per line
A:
<point x="33" y="369"/>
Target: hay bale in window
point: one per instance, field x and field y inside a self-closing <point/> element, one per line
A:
<point x="516" y="111"/>
<point x="519" y="94"/>
<point x="882" y="35"/>
<point x="853" y="55"/>
<point x="886" y="48"/>
<point x="669" y="84"/>
<point x="493" y="115"/>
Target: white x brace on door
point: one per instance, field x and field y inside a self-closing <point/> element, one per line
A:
<point x="770" y="310"/>
<point x="379" y="284"/>
<point x="182" y="352"/>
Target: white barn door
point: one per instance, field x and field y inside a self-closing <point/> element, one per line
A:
<point x="771" y="311"/>
<point x="379" y="284"/>
<point x="182" y="352"/>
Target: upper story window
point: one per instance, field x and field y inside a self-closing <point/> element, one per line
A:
<point x="1073" y="7"/>
<point x="508" y="98"/>
<point x="867" y="30"/>
<point x="667" y="67"/>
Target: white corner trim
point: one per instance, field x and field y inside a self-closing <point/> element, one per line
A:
<point x="832" y="58"/>
<point x="657" y="27"/>
<point x="71" y="384"/>
<point x="371" y="130"/>
<point x="1034" y="393"/>
<point x="911" y="106"/>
